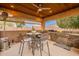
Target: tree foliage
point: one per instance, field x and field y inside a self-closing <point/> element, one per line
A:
<point x="20" y="25"/>
<point x="69" y="22"/>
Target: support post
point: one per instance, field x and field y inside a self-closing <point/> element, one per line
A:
<point x="43" y="25"/>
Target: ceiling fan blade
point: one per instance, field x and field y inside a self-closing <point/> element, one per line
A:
<point x="37" y="12"/>
<point x="45" y="8"/>
<point x="35" y="5"/>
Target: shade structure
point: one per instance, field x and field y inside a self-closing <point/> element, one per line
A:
<point x="28" y="11"/>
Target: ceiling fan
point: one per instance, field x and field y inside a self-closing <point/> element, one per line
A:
<point x="40" y="8"/>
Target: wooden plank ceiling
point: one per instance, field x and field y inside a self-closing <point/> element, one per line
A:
<point x="30" y="9"/>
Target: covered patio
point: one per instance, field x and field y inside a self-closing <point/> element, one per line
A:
<point x="21" y="21"/>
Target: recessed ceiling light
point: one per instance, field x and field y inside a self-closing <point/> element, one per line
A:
<point x="10" y="15"/>
<point x="50" y="11"/>
<point x="12" y="6"/>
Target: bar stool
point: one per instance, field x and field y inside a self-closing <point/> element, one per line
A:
<point x="40" y="41"/>
<point x="21" y="48"/>
<point x="33" y="45"/>
<point x="44" y="39"/>
<point x="36" y="43"/>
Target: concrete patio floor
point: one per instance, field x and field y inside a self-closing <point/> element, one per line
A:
<point x="54" y="51"/>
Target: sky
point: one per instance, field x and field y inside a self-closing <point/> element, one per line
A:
<point x="29" y="25"/>
<point x="51" y="22"/>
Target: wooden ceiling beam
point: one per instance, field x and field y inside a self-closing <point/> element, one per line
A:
<point x="20" y="22"/>
<point x="68" y="13"/>
<point x="17" y="10"/>
<point x="62" y="11"/>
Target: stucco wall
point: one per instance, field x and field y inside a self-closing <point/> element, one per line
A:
<point x="12" y="35"/>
